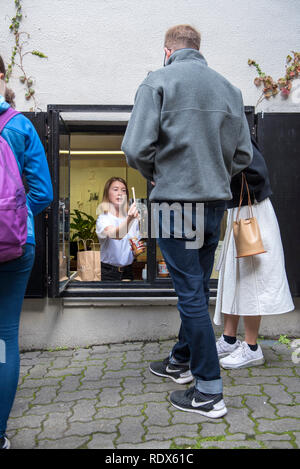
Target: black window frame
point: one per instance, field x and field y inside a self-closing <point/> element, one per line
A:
<point x="154" y="286"/>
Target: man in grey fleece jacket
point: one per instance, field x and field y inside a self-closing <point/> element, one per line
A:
<point x="188" y="135"/>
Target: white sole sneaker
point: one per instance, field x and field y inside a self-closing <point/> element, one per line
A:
<point x="218" y="411"/>
<point x="181" y="380"/>
<point x="247" y="364"/>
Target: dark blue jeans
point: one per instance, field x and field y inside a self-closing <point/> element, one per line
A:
<point x="14" y="277"/>
<point x="190" y="270"/>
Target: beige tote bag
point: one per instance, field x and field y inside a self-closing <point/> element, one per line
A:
<point x="246" y="232"/>
<point x="88" y="263"/>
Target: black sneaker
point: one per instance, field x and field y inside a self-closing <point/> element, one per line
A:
<point x="181" y="374"/>
<point x="4" y="443"/>
<point x="192" y="400"/>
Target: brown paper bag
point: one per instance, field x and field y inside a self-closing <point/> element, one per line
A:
<point x="88" y="263"/>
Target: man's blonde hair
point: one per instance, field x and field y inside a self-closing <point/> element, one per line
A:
<point x="182" y="36"/>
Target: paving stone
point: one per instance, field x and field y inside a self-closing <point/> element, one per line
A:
<point x="134" y="356"/>
<point x="279" y="445"/>
<point x="94" y="426"/>
<point x="239" y="421"/>
<point x="236" y="437"/>
<point x="102" y="441"/>
<point x="63" y="372"/>
<point x="184" y="442"/>
<point x="212" y="429"/>
<point x="157" y="414"/>
<point x="76" y="395"/>
<point x="277" y="394"/>
<point x="81" y="355"/>
<point x="172" y="431"/>
<point x="39" y="371"/>
<point x="30" y="355"/>
<point x="25" y="439"/>
<point x="114" y="364"/>
<point x="272" y="437"/>
<point x="234" y="401"/>
<point x="131" y="430"/>
<point x="70" y="383"/>
<point x="72" y="442"/>
<point x="292" y="384"/>
<point x="83" y="410"/>
<point x="289" y="410"/>
<point x="168" y="386"/>
<point x="272" y="371"/>
<point x="260" y="407"/>
<point x="110" y="397"/>
<point x="93" y="371"/>
<point x="24" y="422"/>
<point x="124" y="373"/>
<point x="118" y="412"/>
<point x="37" y="383"/>
<point x="256" y="380"/>
<point x="281" y="425"/>
<point x="60" y="362"/>
<point x="148" y="445"/>
<point x="184" y="417"/>
<point x="99" y="349"/>
<point x="86" y="384"/>
<point x="132" y="386"/>
<point x="241" y="390"/>
<point x="297" y="439"/>
<point x="46" y="409"/>
<point x="45" y="395"/>
<point x="20" y="407"/>
<point x="145" y="398"/>
<point x="54" y="426"/>
<point x="230" y="445"/>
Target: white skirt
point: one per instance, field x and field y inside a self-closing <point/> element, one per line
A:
<point x="255" y="285"/>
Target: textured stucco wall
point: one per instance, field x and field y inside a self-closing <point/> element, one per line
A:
<point x="100" y="50"/>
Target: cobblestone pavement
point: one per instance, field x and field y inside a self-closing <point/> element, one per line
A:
<point x="105" y="397"/>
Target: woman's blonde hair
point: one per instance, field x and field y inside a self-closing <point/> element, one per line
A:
<point x="104" y="206"/>
<point x="182" y="35"/>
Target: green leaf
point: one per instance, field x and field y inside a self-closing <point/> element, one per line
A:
<point x="39" y="54"/>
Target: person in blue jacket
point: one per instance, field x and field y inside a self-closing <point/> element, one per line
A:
<point x="14" y="275"/>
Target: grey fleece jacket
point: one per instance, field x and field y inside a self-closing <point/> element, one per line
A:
<point x="188" y="131"/>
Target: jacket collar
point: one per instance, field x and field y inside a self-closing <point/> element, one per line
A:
<point x="3" y="104"/>
<point x="186" y="54"/>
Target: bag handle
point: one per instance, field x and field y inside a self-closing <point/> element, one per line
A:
<point x="83" y="242"/>
<point x="244" y="180"/>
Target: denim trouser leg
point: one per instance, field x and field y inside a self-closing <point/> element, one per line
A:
<point x="14" y="277"/>
<point x="190" y="270"/>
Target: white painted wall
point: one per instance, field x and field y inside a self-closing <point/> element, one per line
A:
<point x="100" y="50"/>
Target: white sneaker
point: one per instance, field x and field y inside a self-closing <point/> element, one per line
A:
<point x="243" y="357"/>
<point x="224" y="349"/>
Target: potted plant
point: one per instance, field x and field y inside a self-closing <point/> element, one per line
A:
<point x="83" y="226"/>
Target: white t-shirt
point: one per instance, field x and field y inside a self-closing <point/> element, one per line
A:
<point x="116" y="252"/>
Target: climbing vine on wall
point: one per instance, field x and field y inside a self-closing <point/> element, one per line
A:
<point x="19" y="53"/>
<point x="284" y="84"/>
